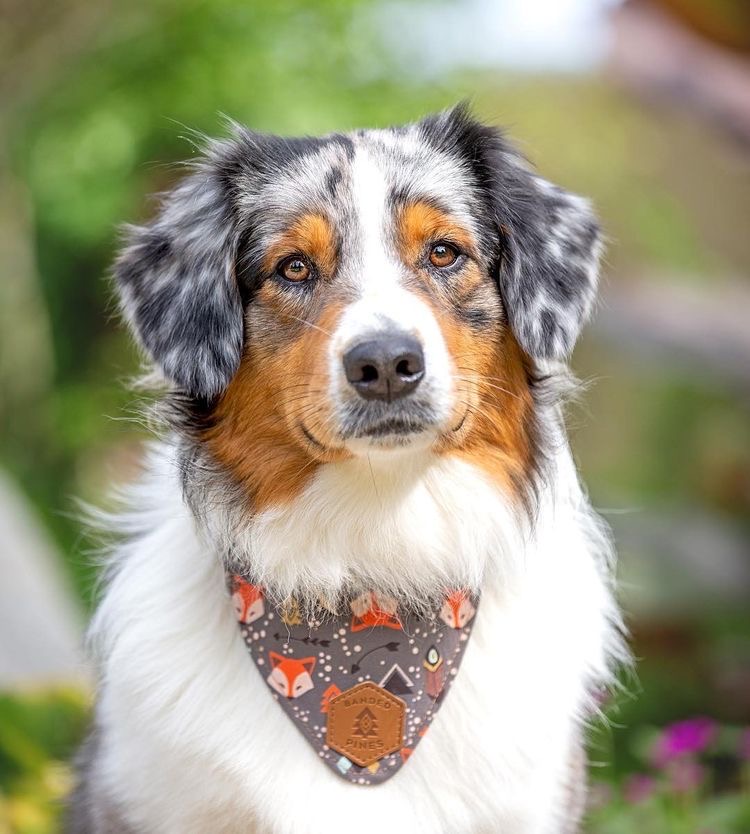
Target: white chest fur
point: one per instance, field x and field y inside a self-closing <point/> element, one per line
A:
<point x="193" y="741"/>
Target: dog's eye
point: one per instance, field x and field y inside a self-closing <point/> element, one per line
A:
<point x="443" y="255"/>
<point x="294" y="269"/>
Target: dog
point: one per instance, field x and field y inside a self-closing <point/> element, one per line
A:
<point x="361" y="342"/>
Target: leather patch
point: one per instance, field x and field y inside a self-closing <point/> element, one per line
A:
<point x="365" y="723"/>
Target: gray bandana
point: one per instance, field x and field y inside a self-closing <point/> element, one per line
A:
<point x="363" y="688"/>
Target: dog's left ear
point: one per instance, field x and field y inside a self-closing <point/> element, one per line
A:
<point x="550" y="241"/>
<point x="176" y="280"/>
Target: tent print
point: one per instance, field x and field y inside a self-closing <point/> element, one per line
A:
<point x="396" y="681"/>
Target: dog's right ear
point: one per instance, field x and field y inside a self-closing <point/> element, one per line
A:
<point x="549" y="239"/>
<point x="176" y="280"/>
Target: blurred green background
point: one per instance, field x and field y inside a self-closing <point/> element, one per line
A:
<point x="643" y="105"/>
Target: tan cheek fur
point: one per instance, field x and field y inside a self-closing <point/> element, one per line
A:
<point x="257" y="434"/>
<point x="494" y="406"/>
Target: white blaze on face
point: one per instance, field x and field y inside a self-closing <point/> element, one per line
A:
<point x="383" y="303"/>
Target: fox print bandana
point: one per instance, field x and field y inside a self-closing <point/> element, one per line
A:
<point x="362" y="688"/>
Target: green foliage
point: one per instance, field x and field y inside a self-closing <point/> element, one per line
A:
<point x="692" y="777"/>
<point x="663" y="814"/>
<point x="38" y="732"/>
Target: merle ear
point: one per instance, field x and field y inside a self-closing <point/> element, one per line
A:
<point x="550" y="239"/>
<point x="549" y="269"/>
<point x="176" y="281"/>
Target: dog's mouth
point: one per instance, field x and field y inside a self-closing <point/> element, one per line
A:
<point x="395" y="426"/>
<point x="398" y="427"/>
<point x="383" y="431"/>
<point x="391" y="432"/>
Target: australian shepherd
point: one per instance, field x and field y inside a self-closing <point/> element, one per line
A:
<point x="361" y="342"/>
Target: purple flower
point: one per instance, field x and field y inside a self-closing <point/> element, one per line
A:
<point x="684" y="738"/>
<point x="638" y="788"/>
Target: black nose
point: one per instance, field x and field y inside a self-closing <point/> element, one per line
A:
<point x="385" y="368"/>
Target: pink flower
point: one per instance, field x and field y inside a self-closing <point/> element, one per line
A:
<point x="686" y="775"/>
<point x="684" y="738"/>
<point x="638" y="788"/>
<point x="744" y="745"/>
<point x="600" y="795"/>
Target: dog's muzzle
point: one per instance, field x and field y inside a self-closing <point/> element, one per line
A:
<point x="386" y="396"/>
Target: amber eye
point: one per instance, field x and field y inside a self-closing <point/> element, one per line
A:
<point x="443" y="255"/>
<point x="294" y="269"/>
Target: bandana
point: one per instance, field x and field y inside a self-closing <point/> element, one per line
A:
<point x="362" y="688"/>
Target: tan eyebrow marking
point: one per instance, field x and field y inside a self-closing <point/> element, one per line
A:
<point x="310" y="234"/>
<point x="419" y="222"/>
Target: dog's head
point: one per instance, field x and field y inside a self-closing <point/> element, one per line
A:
<point x="387" y="290"/>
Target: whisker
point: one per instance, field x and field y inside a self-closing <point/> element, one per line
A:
<point x="374" y="485"/>
<point x="491" y="385"/>
<point x="310" y="324"/>
<point x="475" y="409"/>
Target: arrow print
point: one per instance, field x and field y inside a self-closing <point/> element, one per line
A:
<point x="391" y="647"/>
<point x="308" y="641"/>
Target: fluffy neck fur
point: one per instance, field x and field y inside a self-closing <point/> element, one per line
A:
<point x="411" y="527"/>
<point x="410" y="524"/>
